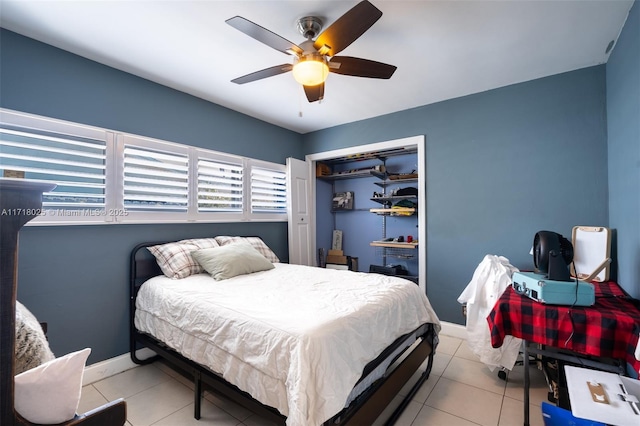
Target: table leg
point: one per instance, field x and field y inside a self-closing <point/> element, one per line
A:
<point x="525" y="365"/>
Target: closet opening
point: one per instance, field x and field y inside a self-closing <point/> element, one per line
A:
<point x="374" y="196"/>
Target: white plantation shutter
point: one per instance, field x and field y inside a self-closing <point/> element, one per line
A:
<point x="268" y="191"/>
<point x="220" y="186"/>
<point x="77" y="164"/>
<point x="155" y="180"/>
<point x="104" y="176"/>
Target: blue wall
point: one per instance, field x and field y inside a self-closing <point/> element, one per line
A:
<point x="623" y="125"/>
<point x="75" y="277"/>
<point x="501" y="165"/>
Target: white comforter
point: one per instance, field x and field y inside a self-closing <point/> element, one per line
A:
<point x="295" y="337"/>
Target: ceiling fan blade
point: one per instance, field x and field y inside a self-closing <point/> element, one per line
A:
<point x="267" y="72"/>
<point x="347" y="28"/>
<point x="263" y="35"/>
<point x="348" y="65"/>
<point x="314" y="93"/>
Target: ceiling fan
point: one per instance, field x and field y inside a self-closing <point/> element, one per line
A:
<point x="313" y="60"/>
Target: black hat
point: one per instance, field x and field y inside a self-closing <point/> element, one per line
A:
<point x="406" y="191"/>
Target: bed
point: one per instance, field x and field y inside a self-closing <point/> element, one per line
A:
<point x="296" y="344"/>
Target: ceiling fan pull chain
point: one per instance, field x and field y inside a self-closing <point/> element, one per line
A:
<point x="299" y="104"/>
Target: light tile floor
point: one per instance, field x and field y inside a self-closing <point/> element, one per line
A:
<point x="460" y="391"/>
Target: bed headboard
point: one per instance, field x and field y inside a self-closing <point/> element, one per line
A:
<point x="143" y="265"/>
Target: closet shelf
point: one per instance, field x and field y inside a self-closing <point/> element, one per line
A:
<point x="391" y="198"/>
<point x="398" y="211"/>
<point x="362" y="209"/>
<point x="353" y="175"/>
<point x="386" y="182"/>
<point x="394" y="244"/>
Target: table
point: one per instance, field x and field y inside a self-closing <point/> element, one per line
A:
<point x="608" y="329"/>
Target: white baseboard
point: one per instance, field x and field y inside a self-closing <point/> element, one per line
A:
<point x="454" y="330"/>
<point x="112" y="366"/>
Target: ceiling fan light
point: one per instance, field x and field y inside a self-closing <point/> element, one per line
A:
<point x="310" y="72"/>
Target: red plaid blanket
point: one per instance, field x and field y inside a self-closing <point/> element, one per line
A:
<point x="610" y="328"/>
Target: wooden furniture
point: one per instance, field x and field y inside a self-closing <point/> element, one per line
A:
<point x="363" y="411"/>
<point x="21" y="201"/>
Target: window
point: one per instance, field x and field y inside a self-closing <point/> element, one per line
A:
<point x="154" y="180"/>
<point x="220" y="186"/>
<point x="73" y="157"/>
<point x="268" y="190"/>
<point x="103" y="176"/>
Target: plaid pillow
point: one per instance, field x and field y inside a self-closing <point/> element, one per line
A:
<point x="175" y="259"/>
<point x="256" y="242"/>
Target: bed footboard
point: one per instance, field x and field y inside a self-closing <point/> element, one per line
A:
<point x="375" y="400"/>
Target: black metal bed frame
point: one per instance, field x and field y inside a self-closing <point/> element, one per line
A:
<point x="364" y="410"/>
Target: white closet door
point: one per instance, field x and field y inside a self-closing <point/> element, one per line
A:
<point x="299" y="212"/>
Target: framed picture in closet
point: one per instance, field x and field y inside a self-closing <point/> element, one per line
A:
<point x="342" y="201"/>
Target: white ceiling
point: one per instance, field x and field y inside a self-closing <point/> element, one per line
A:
<point x="443" y="49"/>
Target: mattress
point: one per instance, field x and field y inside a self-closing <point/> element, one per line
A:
<point x="295" y="337"/>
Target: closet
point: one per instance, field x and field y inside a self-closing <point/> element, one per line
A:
<point x="21" y="201"/>
<point x="373" y="198"/>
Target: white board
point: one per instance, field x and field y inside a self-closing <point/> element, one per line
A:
<point x="591" y="247"/>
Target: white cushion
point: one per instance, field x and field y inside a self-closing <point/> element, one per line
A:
<point x="231" y="260"/>
<point x="50" y="393"/>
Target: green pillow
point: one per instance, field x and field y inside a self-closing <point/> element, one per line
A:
<point x="231" y="260"/>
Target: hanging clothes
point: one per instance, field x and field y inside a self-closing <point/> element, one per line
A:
<point x="490" y="279"/>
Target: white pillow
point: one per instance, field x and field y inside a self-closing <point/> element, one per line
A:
<point x="231" y="260"/>
<point x="256" y="242"/>
<point x="175" y="259"/>
<point x="50" y="393"/>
